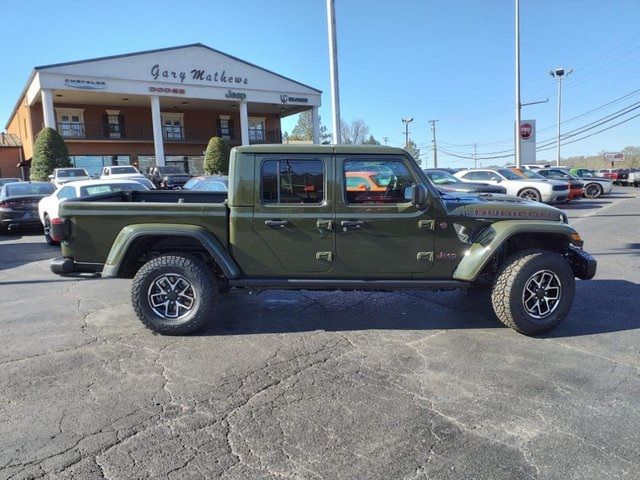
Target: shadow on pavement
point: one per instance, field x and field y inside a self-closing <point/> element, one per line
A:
<point x="600" y="306"/>
<point x="14" y="254"/>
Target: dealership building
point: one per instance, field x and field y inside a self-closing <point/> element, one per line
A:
<point x="157" y="107"/>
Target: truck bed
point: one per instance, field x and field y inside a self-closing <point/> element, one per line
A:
<point x="97" y="220"/>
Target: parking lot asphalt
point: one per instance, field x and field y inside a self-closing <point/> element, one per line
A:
<point x="323" y="385"/>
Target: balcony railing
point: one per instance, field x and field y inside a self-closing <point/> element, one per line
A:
<point x="170" y="133"/>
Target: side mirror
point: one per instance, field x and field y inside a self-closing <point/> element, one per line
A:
<point x="419" y="195"/>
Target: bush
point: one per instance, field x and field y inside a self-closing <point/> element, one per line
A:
<point x="216" y="157"/>
<point x="49" y="152"/>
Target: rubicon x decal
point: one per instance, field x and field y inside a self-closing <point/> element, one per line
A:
<point x="483" y="212"/>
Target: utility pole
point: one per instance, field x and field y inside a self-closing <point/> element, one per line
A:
<point x="475" y="155"/>
<point x="386" y="139"/>
<point x="406" y="121"/>
<point x="333" y="71"/>
<point x="518" y="147"/>
<point x="559" y="73"/>
<point x="435" y="147"/>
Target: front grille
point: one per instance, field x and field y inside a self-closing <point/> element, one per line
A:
<point x="559" y="188"/>
<point x="561" y="198"/>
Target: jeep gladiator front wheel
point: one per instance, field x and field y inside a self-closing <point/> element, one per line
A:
<point x="174" y="294"/>
<point x="533" y="291"/>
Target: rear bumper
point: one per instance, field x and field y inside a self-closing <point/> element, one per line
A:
<point x="584" y="266"/>
<point x="18" y="222"/>
<point x="67" y="265"/>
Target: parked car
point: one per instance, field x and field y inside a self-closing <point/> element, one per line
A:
<point x="618" y="176"/>
<point x="576" y="187"/>
<point x="594" y="186"/>
<point x="446" y="182"/>
<point x="61" y="176"/>
<point x="280" y="227"/>
<point x="145" y="182"/>
<point x="4" y="181"/>
<point x="168" y="177"/>
<point x="19" y="204"/>
<point x="120" y="172"/>
<point x="634" y="177"/>
<point x="48" y="206"/>
<point x="532" y="189"/>
<point x="212" y="184"/>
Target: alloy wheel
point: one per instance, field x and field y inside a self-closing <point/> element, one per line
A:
<point x="542" y="293"/>
<point x="171" y="296"/>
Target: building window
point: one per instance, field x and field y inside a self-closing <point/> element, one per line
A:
<point x="225" y="127"/>
<point x="293" y="181"/>
<point x="70" y="122"/>
<point x="172" y="126"/>
<point x="113" y="124"/>
<point x="93" y="163"/>
<point x="257" y="132"/>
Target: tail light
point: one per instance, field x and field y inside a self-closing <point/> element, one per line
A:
<point x="60" y="229"/>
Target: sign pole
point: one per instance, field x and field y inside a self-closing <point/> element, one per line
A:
<point x="517" y="85"/>
<point x="333" y="71"/>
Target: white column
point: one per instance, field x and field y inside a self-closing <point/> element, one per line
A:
<point x="157" y="130"/>
<point x="315" y="124"/>
<point x="47" y="109"/>
<point x="244" y="123"/>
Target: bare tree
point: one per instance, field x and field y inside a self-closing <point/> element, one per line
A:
<point x="354" y="133"/>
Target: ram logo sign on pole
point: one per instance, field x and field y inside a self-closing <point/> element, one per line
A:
<point x="528" y="141"/>
<point x="613" y="157"/>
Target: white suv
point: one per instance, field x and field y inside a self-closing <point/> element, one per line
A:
<point x="537" y="190"/>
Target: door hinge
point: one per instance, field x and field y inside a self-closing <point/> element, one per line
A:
<point x="326" y="224"/>
<point x="326" y="256"/>
<point x="427" y="224"/>
<point x="425" y="256"/>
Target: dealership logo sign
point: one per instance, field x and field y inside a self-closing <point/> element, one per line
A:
<point x="238" y="95"/>
<point x="200" y="74"/>
<point x="177" y="91"/>
<point x="526" y="129"/>
<point x="284" y="98"/>
<point x="85" y="84"/>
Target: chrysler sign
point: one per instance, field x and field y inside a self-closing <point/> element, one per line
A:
<point x="85" y="84"/>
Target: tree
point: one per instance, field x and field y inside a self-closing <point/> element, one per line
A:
<point x="303" y="131"/>
<point x="371" y="141"/>
<point x="354" y="133"/>
<point x="49" y="152"/>
<point x="414" y="151"/>
<point x="216" y="157"/>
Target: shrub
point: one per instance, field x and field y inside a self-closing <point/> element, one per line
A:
<point x="49" y="152"/>
<point x="216" y="157"/>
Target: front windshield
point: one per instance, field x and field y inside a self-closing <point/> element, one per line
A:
<point x="510" y="175"/>
<point x="442" y="178"/>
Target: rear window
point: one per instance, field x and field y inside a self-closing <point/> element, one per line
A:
<point x="71" y="173"/>
<point x="100" y="189"/>
<point x="26" y="188"/>
<point x="121" y="170"/>
<point x="293" y="181"/>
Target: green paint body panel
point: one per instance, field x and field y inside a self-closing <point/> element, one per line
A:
<point x="396" y="242"/>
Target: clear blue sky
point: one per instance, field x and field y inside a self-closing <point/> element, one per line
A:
<point x="447" y="59"/>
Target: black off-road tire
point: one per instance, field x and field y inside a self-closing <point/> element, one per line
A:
<point x="47" y="235"/>
<point x="197" y="273"/>
<point x="507" y="291"/>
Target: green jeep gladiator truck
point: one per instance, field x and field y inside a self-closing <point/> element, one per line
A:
<point x="329" y="217"/>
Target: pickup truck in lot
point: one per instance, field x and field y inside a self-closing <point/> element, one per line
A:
<point x="290" y="221"/>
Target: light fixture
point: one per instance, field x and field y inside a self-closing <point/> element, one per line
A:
<point x="282" y="109"/>
<point x="185" y="103"/>
<point x="58" y="94"/>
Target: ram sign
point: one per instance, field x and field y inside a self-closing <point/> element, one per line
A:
<point x="614" y="157"/>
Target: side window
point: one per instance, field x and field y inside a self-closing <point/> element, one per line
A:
<point x="493" y="176"/>
<point x="67" y="193"/>
<point x="293" y="181"/>
<point x="478" y="176"/>
<point x="377" y="182"/>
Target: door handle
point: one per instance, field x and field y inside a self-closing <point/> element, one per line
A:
<point x="351" y="224"/>
<point x="276" y="223"/>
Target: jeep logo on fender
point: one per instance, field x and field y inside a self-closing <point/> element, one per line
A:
<point x="284" y="98"/>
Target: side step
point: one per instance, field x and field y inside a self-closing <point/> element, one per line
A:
<point x="339" y="284"/>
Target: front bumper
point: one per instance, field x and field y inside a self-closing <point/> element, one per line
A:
<point x="67" y="266"/>
<point x="584" y="266"/>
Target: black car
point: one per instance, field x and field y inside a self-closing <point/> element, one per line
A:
<point x="168" y="177"/>
<point x="19" y="204"/>
<point x="445" y="182"/>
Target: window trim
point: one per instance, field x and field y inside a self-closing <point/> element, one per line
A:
<point x="322" y="204"/>
<point x="79" y="112"/>
<point x="398" y="158"/>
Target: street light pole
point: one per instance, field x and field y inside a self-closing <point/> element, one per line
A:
<point x="435" y="146"/>
<point x="559" y="73"/>
<point x="333" y="71"/>
<point x="406" y="121"/>
<point x="518" y="147"/>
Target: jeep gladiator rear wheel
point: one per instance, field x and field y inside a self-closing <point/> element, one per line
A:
<point x="533" y="291"/>
<point x="174" y="294"/>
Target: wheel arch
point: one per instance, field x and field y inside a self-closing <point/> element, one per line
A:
<point x="133" y="241"/>
<point x="506" y="237"/>
<point x="530" y="188"/>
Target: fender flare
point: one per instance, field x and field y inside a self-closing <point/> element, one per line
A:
<point x="129" y="234"/>
<point x="498" y="233"/>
